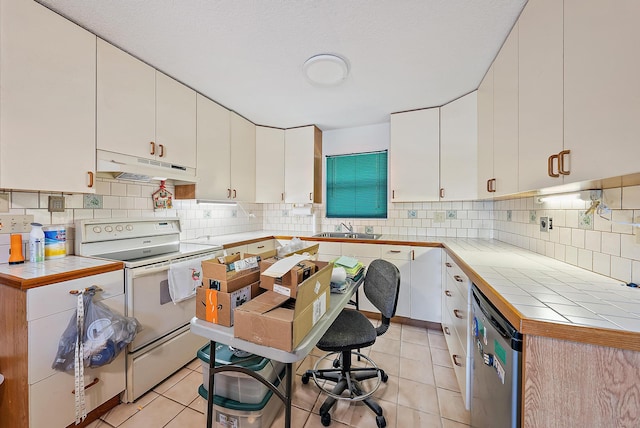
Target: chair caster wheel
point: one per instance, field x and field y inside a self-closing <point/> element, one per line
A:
<point x="385" y="376"/>
<point x="305" y="378"/>
<point x="380" y="421"/>
<point x="336" y="363"/>
<point x="326" y="419"/>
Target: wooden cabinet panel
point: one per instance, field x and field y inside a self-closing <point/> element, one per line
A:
<point x="414" y="156"/>
<point x="270" y="167"/>
<point x="126" y="106"/>
<point x="47" y="100"/>
<point x="459" y="149"/>
<point x="505" y="119"/>
<point x="601" y="87"/>
<point x="540" y="97"/>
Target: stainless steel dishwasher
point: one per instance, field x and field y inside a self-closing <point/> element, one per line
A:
<point x="496" y="367"/>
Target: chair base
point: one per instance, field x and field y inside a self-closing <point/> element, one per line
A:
<point x="347" y="379"/>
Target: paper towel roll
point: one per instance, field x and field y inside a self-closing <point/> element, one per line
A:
<point x="302" y="211"/>
<point x="339" y="275"/>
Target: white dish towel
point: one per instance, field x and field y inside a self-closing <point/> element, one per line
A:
<point x="184" y="277"/>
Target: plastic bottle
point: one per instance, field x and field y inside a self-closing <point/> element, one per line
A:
<point x="36" y="243"/>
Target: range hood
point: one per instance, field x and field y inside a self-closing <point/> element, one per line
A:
<point x="126" y="167"/>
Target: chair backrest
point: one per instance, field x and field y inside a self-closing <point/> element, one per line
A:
<point x="381" y="286"/>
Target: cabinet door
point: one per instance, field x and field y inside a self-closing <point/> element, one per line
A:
<point x="48" y="101"/>
<point x="459" y="149"/>
<point x="365" y="253"/>
<point x="505" y="119"/>
<point x="414" y="159"/>
<point x="485" y="134"/>
<point x="269" y="165"/>
<point x="175" y="122"/>
<point x="303" y="163"/>
<point x="540" y="62"/>
<point x="400" y="256"/>
<point x="426" y="284"/>
<point x="214" y="159"/>
<point x="243" y="159"/>
<point x="601" y="87"/>
<point x="126" y="103"/>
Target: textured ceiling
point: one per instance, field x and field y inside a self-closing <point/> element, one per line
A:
<point x="248" y="54"/>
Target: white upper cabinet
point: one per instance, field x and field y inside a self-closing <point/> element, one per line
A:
<point x="540" y="98"/>
<point x="303" y="165"/>
<point x="485" y="136"/>
<point x="601" y="87"/>
<point x="175" y="121"/>
<point x="459" y="149"/>
<point x="142" y="112"/>
<point x="270" y="168"/>
<point x="213" y="167"/>
<point x="243" y="159"/>
<point x="505" y="117"/>
<point x="47" y="100"/>
<point x="414" y="155"/>
<point x="126" y="103"/>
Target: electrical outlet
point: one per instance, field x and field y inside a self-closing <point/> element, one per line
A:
<point x="15" y="223"/>
<point x="438" y="217"/>
<point x="544" y="224"/>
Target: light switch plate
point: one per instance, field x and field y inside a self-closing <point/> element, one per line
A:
<point x="15" y="223"/>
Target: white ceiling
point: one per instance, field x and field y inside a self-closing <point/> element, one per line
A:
<point x="248" y="54"/>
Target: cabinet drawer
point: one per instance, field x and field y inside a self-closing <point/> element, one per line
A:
<point x="454" y="270"/>
<point x="54" y="298"/>
<point x="44" y="335"/>
<point x="358" y="251"/>
<point x="396" y="252"/>
<point x="52" y="403"/>
<point x="329" y="248"/>
<point x="262" y="246"/>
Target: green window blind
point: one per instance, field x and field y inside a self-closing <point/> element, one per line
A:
<point x="357" y="185"/>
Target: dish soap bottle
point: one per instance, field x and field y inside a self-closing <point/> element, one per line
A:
<point x="36" y="243"/>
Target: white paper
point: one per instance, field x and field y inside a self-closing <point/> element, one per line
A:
<point x="279" y="268"/>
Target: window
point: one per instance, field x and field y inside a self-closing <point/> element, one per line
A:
<point x="357" y="185"/>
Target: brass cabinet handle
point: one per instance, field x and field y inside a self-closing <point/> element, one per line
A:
<point x="413" y="254"/>
<point x="95" y="381"/>
<point x="395" y="251"/>
<point x="161" y="150"/>
<point x="447" y="331"/>
<point x="458" y="278"/>
<point x="393" y="194"/>
<point x="455" y="360"/>
<point x="153" y="148"/>
<point x="447" y="293"/>
<point x="311" y="196"/>
<point x="229" y="193"/>
<point x="260" y="246"/>
<point x="561" y="157"/>
<point x="491" y="185"/>
<point x="442" y="192"/>
<point x="234" y="194"/>
<point x="458" y="314"/>
<point x="282" y="196"/>
<point x="447" y="264"/>
<point x="550" y="171"/>
<point x="90" y="174"/>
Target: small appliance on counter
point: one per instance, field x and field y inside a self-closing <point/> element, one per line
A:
<point x="15" y="249"/>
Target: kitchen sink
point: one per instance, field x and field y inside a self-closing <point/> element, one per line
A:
<point x="347" y="235"/>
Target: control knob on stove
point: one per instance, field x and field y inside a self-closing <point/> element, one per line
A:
<point x="129" y="227"/>
<point x="119" y="228"/>
<point x="108" y="229"/>
<point x="97" y="229"/>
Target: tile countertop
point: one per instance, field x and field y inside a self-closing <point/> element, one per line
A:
<point x="537" y="294"/>
<point x="29" y="275"/>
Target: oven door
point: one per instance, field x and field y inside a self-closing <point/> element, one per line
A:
<point x="148" y="300"/>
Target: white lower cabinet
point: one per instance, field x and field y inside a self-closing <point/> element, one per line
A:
<point x="426" y="280"/>
<point x="49" y="311"/>
<point x="365" y="253"/>
<point x="456" y="323"/>
<point x="401" y="257"/>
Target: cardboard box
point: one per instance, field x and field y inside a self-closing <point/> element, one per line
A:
<point x="218" y="307"/>
<point x="217" y="276"/>
<point x="312" y="250"/>
<point x="274" y="320"/>
<point x="288" y="284"/>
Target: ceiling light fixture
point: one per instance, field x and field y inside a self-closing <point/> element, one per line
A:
<point x="326" y="69"/>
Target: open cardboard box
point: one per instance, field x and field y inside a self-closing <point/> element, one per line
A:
<point x="218" y="307"/>
<point x="274" y="320"/>
<point x="312" y="250"/>
<point x="217" y="276"/>
<point x="288" y="284"/>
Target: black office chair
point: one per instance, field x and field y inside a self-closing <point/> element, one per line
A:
<point x="352" y="330"/>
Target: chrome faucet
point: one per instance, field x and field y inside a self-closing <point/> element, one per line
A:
<point x="349" y="228"/>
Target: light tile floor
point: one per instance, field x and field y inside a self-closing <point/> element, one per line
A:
<point x="421" y="392"/>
